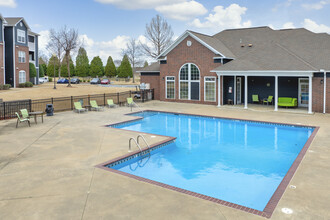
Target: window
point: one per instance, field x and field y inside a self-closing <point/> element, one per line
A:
<point x="31" y="39"/>
<point x="22" y="76"/>
<point x="189" y="82"/>
<point x="209" y="89"/>
<point x="170" y="87"/>
<point x="21" y="36"/>
<point x="21" y="56"/>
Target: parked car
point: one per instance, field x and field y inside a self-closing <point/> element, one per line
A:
<point x="95" y="81"/>
<point x="43" y="79"/>
<point x="62" y="81"/>
<point x="105" y="81"/>
<point x="75" y="80"/>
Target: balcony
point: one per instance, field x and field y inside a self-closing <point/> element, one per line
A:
<point x="32" y="46"/>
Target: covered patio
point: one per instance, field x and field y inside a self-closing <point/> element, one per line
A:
<point x="237" y="87"/>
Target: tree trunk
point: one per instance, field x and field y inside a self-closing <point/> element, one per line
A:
<point x="59" y="68"/>
<point x="68" y="66"/>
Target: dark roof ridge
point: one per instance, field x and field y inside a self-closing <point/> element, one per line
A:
<point x="235" y="29"/>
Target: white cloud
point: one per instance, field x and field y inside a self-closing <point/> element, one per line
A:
<point x="288" y="25"/>
<point x="104" y="49"/>
<point x="316" y="6"/>
<point x="230" y="17"/>
<point x="285" y="4"/>
<point x="37" y="25"/>
<point x="8" y="3"/>
<point x="313" y="26"/>
<point x="139" y="4"/>
<point x="182" y="11"/>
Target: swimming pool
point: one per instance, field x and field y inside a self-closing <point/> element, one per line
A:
<point x="241" y="162"/>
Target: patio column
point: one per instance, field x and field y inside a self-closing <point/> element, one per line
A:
<point x="235" y="90"/>
<point x="219" y="91"/>
<point x="245" y="91"/>
<point x="276" y="93"/>
<point x="310" y="96"/>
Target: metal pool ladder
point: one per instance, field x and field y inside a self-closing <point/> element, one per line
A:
<point x="136" y="141"/>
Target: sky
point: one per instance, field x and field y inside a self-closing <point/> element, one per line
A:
<point x="105" y="26"/>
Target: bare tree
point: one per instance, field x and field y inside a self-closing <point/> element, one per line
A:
<point x="55" y="47"/>
<point x="70" y="43"/>
<point x="133" y="51"/>
<point x="160" y="34"/>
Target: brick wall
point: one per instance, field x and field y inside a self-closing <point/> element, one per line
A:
<point x="198" y="54"/>
<point x="318" y="94"/>
<point x="22" y="66"/>
<point x="2" y="70"/>
<point x="154" y="81"/>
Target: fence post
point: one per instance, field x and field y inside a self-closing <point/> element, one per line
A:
<point x="143" y="95"/>
<point x="30" y="104"/>
<point x="52" y="100"/>
<point x="130" y="93"/>
<point x="104" y="99"/>
<point x="89" y="99"/>
<point x="118" y="97"/>
<point x="4" y="110"/>
<point x="71" y="102"/>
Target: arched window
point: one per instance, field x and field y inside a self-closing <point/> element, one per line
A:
<point x="189" y="82"/>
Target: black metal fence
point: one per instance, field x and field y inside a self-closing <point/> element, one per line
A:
<point x="8" y="109"/>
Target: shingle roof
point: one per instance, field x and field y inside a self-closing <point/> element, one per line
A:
<point x="215" y="43"/>
<point x="290" y="49"/>
<point x="154" y="67"/>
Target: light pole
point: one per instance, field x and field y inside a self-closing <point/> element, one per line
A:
<point x="54" y="71"/>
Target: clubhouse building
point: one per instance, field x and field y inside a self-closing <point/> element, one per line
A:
<point x="284" y="68"/>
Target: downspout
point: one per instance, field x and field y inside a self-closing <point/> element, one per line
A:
<point x="324" y="92"/>
<point x="14" y="54"/>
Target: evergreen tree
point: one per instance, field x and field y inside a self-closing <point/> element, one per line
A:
<point x="110" y="68"/>
<point x="32" y="70"/>
<point x="82" y="63"/>
<point x="44" y="67"/>
<point x="145" y="64"/>
<point x="64" y="68"/>
<point x="41" y="71"/>
<point x="96" y="68"/>
<point x="50" y="67"/>
<point x="125" y="69"/>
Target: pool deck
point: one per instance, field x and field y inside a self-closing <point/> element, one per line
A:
<point x="48" y="171"/>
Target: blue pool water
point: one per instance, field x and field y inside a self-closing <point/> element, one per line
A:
<point x="236" y="161"/>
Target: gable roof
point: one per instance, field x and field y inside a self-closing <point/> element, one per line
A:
<point x="212" y="44"/>
<point x="154" y="67"/>
<point x="13" y="21"/>
<point x="3" y="19"/>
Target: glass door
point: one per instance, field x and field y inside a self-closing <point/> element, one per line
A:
<point x="303" y="92"/>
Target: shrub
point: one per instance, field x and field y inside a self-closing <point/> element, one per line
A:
<point x="28" y="84"/>
<point x="50" y="79"/>
<point x="5" y="87"/>
<point x="33" y="70"/>
<point x="21" y="85"/>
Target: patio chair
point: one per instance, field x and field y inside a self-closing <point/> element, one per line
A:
<point x="22" y="120"/>
<point x="25" y="113"/>
<point x="94" y="106"/>
<point x="255" y="98"/>
<point x="130" y="102"/>
<point x="79" y="108"/>
<point x="268" y="100"/>
<point x="111" y="104"/>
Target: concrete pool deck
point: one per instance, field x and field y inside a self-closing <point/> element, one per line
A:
<point x="48" y="171"/>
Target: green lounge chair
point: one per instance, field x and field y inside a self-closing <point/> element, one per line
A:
<point x="94" y="105"/>
<point x="79" y="108"/>
<point x="22" y="120"/>
<point x="268" y="100"/>
<point x="130" y="102"/>
<point x="255" y="98"/>
<point x="111" y="104"/>
<point x="25" y="114"/>
<point x="287" y="102"/>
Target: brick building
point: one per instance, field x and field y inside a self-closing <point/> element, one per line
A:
<point x="18" y="47"/>
<point x="231" y="66"/>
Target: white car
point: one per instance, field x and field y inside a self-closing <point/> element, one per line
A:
<point x="43" y="79"/>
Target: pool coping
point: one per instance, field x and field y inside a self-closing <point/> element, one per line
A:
<point x="272" y="203"/>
